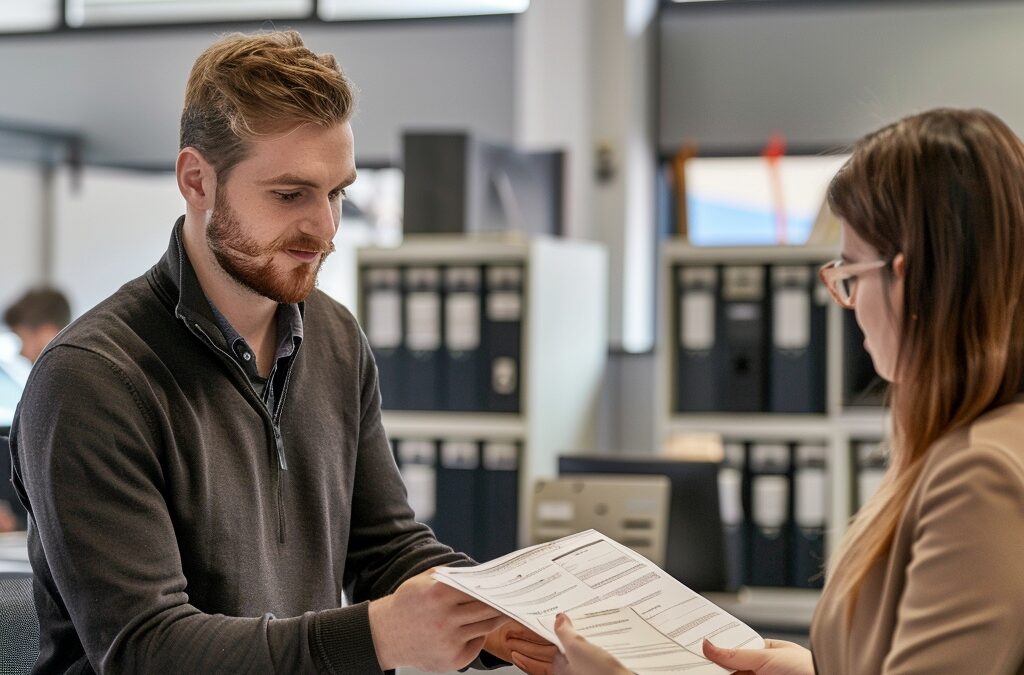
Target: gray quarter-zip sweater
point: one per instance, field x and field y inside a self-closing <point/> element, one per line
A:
<point x="174" y="526"/>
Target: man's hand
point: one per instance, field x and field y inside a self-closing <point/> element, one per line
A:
<point x="430" y="626"/>
<point x="521" y="647"/>
<point x="777" y="658"/>
<point x="581" y="657"/>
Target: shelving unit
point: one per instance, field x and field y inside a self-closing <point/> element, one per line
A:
<point x="837" y="426"/>
<point x="563" y="341"/>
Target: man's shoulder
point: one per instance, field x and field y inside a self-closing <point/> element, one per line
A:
<point x="321" y="308"/>
<point x="126" y="315"/>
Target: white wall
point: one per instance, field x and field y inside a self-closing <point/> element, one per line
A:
<point x="826" y="74"/>
<point x="125" y="88"/>
<point x="110" y="229"/>
<point x="21" y="256"/>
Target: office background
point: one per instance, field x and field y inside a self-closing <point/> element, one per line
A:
<point x="88" y="126"/>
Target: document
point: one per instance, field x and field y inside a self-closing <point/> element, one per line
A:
<point x="615" y="597"/>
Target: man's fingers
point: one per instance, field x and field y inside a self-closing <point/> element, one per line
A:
<point x="545" y="652"/>
<point x="482" y="628"/>
<point x="521" y="632"/>
<point x="475" y="612"/>
<point x="531" y="665"/>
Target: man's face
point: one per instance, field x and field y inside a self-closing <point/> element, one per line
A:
<point x="276" y="214"/>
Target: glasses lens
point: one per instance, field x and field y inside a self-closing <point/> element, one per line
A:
<point x="845" y="288"/>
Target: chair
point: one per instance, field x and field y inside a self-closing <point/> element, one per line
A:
<point x="19" y="625"/>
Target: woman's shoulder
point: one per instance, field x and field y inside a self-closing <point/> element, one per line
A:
<point x="989" y="452"/>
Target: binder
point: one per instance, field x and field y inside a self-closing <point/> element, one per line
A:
<point x="498" y="493"/>
<point x="421" y="373"/>
<point x="417" y="462"/>
<point x="862" y="386"/>
<point x="730" y="491"/>
<point x="502" y="329"/>
<point x="870" y="463"/>
<point x="697" y="370"/>
<point x="382" y="319"/>
<point x="463" y="360"/>
<point x="798" y="313"/>
<point x="768" y="551"/>
<point x="744" y="339"/>
<point x="810" y="482"/>
<point x="457" y="495"/>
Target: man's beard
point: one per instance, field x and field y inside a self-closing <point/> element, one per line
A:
<point x="252" y="265"/>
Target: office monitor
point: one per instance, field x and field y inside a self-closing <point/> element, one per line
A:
<point x="695" y="549"/>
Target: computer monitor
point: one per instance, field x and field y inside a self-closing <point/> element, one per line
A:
<point x="695" y="550"/>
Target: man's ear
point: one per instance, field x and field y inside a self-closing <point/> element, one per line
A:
<point x="197" y="179"/>
<point x="899" y="266"/>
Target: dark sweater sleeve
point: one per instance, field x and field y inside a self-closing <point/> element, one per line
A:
<point x="88" y="459"/>
<point x="386" y="545"/>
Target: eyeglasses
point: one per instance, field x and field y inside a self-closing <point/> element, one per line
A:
<point x="838" y="277"/>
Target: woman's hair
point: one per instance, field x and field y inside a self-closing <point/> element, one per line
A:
<point x="946" y="189"/>
<point x="244" y="86"/>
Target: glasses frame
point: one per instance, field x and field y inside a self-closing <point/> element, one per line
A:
<point x="835" y="272"/>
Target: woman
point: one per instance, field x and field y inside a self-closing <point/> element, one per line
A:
<point x="929" y="578"/>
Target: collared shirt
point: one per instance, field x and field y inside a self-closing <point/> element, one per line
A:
<point x="289" y="336"/>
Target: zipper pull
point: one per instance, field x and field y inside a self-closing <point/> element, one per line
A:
<point x="280" y="449"/>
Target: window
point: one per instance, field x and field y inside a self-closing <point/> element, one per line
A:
<point x="28" y="15"/>
<point x="117" y="12"/>
<point x="334" y="10"/>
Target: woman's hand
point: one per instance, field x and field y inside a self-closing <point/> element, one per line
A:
<point x="581" y="657"/>
<point x="777" y="658"/>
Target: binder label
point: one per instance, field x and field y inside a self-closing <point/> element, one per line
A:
<point x="384" y="318"/>
<point x="501" y="457"/>
<point x="459" y="455"/>
<point x="730" y="484"/>
<point x="791" y="323"/>
<point x="698" y="320"/>
<point x="423" y="321"/>
<point x="504" y="306"/>
<point x="462" y="322"/>
<point x="810" y="497"/>
<point x="771" y="501"/>
<point x="504" y="375"/>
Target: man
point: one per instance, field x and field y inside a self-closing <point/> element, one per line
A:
<point x="202" y="454"/>
<point x="36" y="317"/>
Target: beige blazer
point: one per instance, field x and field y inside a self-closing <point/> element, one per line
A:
<point x="949" y="598"/>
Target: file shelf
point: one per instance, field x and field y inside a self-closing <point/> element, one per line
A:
<point x="539" y="394"/>
<point x="773" y="288"/>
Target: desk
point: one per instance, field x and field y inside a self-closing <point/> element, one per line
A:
<point x="14" y="552"/>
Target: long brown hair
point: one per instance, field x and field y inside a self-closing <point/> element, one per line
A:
<point x="946" y="189"/>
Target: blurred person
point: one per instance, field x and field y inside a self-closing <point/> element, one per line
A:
<point x="928" y="578"/>
<point x="202" y="454"/>
<point x="36" y="318"/>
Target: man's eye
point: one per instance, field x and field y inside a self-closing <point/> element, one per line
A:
<point x="335" y="194"/>
<point x="287" y="196"/>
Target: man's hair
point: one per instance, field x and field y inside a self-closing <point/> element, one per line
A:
<point x="39" y="307"/>
<point x="245" y="86"/>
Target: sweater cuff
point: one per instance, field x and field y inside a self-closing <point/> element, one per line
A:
<point x="342" y="641"/>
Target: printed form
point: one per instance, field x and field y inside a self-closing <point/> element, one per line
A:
<point x="615" y="597"/>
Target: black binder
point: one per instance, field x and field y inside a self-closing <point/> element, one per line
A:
<point x="798" y="313"/>
<point x="810" y="487"/>
<point x="697" y="375"/>
<point x="463" y="327"/>
<point x="502" y="335"/>
<point x="770" y="496"/>
<point x="744" y="338"/>
<point x="730" y="492"/>
<point x="417" y="462"/>
<point x="382" y="319"/>
<point x="498" y="492"/>
<point x="870" y="463"/>
<point x="422" y="374"/>
<point x="457" y="495"/>
<point x="862" y="386"/>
